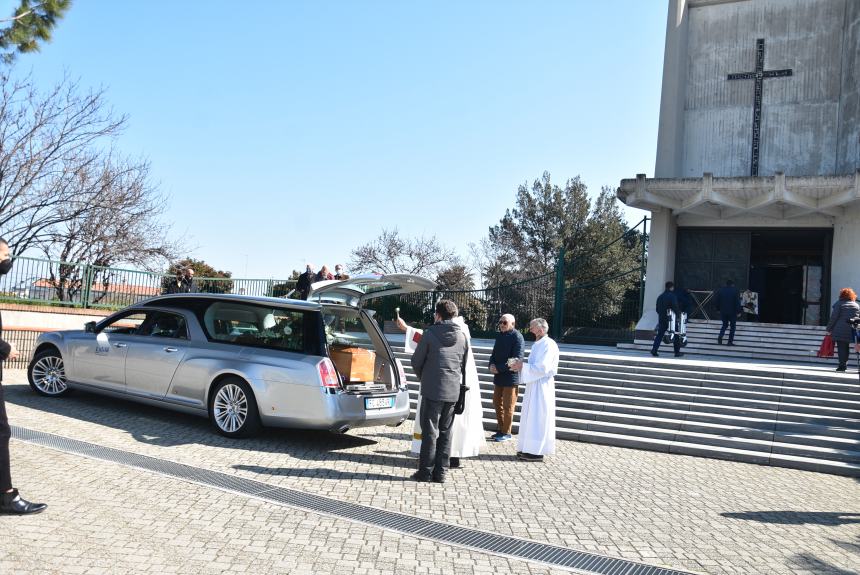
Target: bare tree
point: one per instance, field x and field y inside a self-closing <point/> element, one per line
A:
<point x="391" y="253"/>
<point x="122" y="224"/>
<point x="51" y="145"/>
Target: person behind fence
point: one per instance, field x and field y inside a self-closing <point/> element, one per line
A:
<point x="188" y="283"/>
<point x="10" y="501"/>
<point x="728" y="302"/>
<point x="845" y="309"/>
<point x="323" y="275"/>
<point x="665" y="302"/>
<point x="467" y="431"/>
<point x="176" y="284"/>
<point x="537" y="420"/>
<point x="303" y="285"/>
<point x="509" y="346"/>
<point x="439" y="362"/>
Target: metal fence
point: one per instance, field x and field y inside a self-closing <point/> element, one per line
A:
<point x="24" y="341"/>
<point x="49" y="282"/>
<point x="480" y="308"/>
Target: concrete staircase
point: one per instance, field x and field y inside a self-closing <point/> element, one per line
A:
<point x="787" y="418"/>
<point x="758" y="341"/>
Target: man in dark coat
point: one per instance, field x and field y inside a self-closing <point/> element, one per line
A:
<point x="188" y="283"/>
<point x="728" y="302"/>
<point x="303" y="286"/>
<point x="10" y="501"/>
<point x="665" y="302"/>
<point x="509" y="345"/>
<point x="439" y="362"/>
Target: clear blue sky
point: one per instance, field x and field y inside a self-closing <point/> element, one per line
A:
<point x="294" y="131"/>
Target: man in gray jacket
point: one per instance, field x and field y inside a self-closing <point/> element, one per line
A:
<point x="439" y="362"/>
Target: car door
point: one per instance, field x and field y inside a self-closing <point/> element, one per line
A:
<point x="99" y="358"/>
<point x="155" y="352"/>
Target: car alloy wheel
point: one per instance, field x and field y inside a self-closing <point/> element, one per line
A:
<point x="48" y="375"/>
<point x="230" y="408"/>
<point x="233" y="409"/>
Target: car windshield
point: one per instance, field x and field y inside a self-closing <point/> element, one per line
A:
<point x="345" y="327"/>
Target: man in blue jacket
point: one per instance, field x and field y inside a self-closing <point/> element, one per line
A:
<point x="509" y="345"/>
<point x="665" y="302"/>
<point x="728" y="302"/>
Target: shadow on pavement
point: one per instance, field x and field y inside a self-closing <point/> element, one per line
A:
<point x="812" y="564"/>
<point x="796" y="517"/>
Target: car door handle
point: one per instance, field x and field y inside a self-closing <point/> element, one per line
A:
<point x="171" y="349"/>
<point x="120" y="345"/>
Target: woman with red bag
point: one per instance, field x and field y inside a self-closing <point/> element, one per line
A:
<point x="844" y="309"/>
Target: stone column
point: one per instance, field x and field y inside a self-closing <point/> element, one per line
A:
<point x="845" y="264"/>
<point x="661" y="267"/>
<point x="670" y="137"/>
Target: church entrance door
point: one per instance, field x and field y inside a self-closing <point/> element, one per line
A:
<point x="787" y="269"/>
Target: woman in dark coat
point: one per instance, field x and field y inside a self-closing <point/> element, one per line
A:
<point x="842" y="333"/>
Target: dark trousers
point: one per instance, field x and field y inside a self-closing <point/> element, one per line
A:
<point x="5" y="434"/>
<point x="843" y="351"/>
<point x="437" y="417"/>
<point x="662" y="328"/>
<point x="729" y="319"/>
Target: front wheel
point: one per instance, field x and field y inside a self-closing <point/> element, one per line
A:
<point x="47" y="374"/>
<point x="233" y="408"/>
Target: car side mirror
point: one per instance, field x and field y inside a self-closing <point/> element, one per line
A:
<point x="90" y="327"/>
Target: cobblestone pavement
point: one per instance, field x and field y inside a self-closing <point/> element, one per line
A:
<point x="696" y="514"/>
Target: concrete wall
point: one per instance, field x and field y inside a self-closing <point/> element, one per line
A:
<point x="809" y="121"/>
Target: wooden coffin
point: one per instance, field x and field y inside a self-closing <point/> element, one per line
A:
<point x="353" y="363"/>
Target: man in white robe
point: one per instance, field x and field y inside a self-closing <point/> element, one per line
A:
<point x="467" y="432"/>
<point x="537" y="420"/>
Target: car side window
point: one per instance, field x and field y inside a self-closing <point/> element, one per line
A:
<point x="125" y="324"/>
<point x="259" y="326"/>
<point x="163" y="324"/>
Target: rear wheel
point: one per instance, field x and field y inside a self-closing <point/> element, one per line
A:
<point x="47" y="374"/>
<point x="233" y="408"/>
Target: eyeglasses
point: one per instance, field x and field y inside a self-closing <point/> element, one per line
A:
<point x="503" y="322"/>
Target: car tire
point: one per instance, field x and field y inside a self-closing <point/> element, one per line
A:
<point x="47" y="374"/>
<point x="233" y="408"/>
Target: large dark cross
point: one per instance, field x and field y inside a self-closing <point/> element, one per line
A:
<point x="759" y="75"/>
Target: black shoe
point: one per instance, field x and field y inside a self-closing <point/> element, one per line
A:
<point x="420" y="477"/>
<point x="731" y="343"/>
<point x="530" y="457"/>
<point x="719" y="341"/>
<point x="454" y="462"/>
<point x="840" y="368"/>
<point x="13" y="504"/>
<point x="438" y="478"/>
<point x="654" y="353"/>
<point x="679" y="354"/>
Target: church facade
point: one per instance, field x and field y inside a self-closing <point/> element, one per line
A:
<point x="757" y="177"/>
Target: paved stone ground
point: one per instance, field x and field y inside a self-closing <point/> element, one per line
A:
<point x="696" y="514"/>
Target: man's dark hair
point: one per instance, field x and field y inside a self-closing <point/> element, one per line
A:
<point x="670" y="285"/>
<point x="730" y="283"/>
<point x="3" y="242"/>
<point x="446" y="309"/>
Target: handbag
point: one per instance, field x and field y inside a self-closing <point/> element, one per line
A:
<point x="827" y="347"/>
<point x="460" y="406"/>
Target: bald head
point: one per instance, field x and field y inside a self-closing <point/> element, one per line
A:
<point x="507" y="322"/>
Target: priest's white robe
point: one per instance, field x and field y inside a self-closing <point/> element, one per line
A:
<point x="537" y="420"/>
<point x="467" y="432"/>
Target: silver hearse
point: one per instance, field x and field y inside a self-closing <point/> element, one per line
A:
<point x="243" y="361"/>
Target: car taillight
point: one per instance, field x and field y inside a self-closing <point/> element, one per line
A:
<point x="328" y="374"/>
<point x="401" y="372"/>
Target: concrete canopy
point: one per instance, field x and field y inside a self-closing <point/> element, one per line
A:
<point x="778" y="197"/>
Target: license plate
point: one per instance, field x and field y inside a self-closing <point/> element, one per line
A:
<point x="378" y="402"/>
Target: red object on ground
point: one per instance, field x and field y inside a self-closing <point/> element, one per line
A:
<point x="827" y="347"/>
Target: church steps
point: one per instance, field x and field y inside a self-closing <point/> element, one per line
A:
<point x="769" y="415"/>
<point x="749" y="353"/>
<point x="845" y="392"/>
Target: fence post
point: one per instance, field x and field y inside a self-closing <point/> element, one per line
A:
<point x="557" y="329"/>
<point x="88" y="282"/>
<point x="643" y="267"/>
